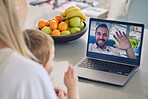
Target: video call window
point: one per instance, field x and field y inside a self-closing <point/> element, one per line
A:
<point x="105" y="37"/>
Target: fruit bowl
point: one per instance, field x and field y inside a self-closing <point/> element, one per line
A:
<point x="70" y="37"/>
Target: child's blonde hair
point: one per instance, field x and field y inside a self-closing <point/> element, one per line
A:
<point x="40" y="44"/>
<point x="10" y="31"/>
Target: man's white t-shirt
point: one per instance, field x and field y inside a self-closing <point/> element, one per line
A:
<point x="22" y="78"/>
<point x="109" y="50"/>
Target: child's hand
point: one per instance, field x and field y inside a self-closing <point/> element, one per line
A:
<point x="70" y="78"/>
<point x="60" y="93"/>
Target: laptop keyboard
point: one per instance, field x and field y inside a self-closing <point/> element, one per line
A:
<point x="106" y="66"/>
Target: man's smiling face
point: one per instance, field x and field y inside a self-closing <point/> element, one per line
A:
<point x="101" y="37"/>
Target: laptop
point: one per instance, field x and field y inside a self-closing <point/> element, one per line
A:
<point x="109" y="60"/>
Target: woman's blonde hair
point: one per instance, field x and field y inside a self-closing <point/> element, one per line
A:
<point x="40" y="44"/>
<point x="10" y="31"/>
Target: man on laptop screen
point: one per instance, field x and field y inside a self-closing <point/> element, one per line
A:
<point x="101" y="40"/>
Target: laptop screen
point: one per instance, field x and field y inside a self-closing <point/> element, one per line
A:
<point x="115" y="41"/>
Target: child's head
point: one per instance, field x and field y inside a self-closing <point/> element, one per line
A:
<point x="42" y="46"/>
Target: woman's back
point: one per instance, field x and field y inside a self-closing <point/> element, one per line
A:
<point x="21" y="78"/>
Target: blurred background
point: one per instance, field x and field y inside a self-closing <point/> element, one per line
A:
<point x="126" y="10"/>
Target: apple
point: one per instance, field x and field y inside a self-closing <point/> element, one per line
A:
<point x="75" y="21"/>
<point x="74" y="30"/>
<point x="66" y="32"/>
<point x="81" y="26"/>
<point x="46" y="30"/>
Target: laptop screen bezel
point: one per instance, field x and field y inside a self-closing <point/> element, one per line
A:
<point x="111" y="57"/>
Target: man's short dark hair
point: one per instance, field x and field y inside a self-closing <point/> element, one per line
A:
<point x="102" y="25"/>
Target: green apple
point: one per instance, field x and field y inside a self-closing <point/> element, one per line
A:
<point x="74" y="30"/>
<point x="75" y="21"/>
<point x="81" y="26"/>
<point x="46" y="30"/>
<point x="66" y="32"/>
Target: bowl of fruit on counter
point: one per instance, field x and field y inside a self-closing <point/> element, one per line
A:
<point x="65" y="27"/>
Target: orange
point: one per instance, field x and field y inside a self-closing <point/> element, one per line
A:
<point x="53" y="25"/>
<point x="41" y="24"/>
<point x="52" y="20"/>
<point x="58" y="17"/>
<point x="63" y="26"/>
<point x="56" y="32"/>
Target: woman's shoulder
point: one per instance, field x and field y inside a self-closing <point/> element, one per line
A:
<point x="26" y="76"/>
<point x="27" y="65"/>
<point x="13" y="58"/>
<point x="17" y="64"/>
